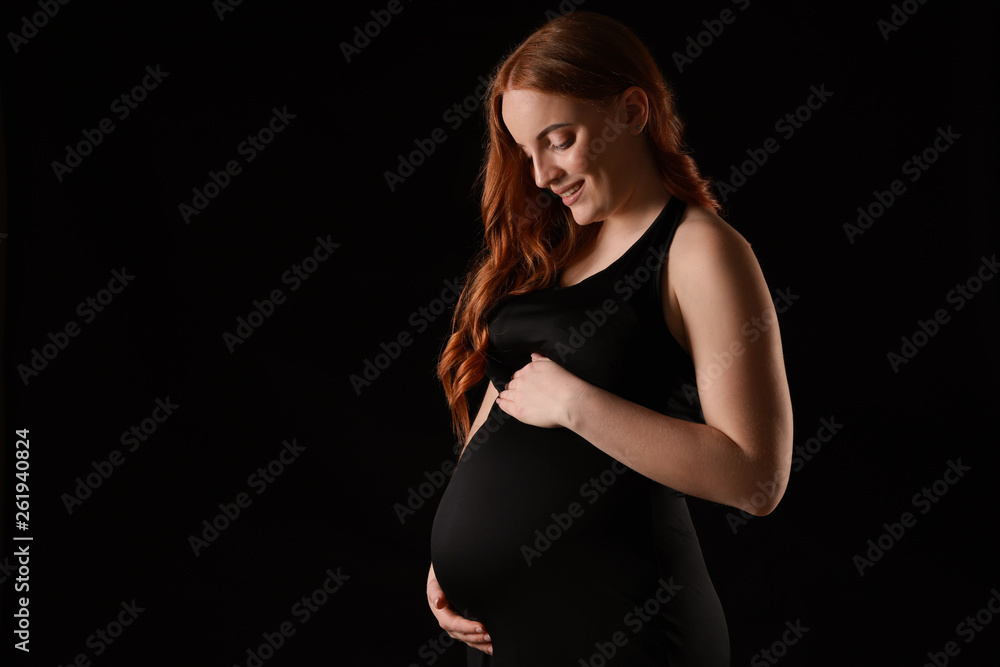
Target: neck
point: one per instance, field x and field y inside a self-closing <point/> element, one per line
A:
<point x="643" y="204"/>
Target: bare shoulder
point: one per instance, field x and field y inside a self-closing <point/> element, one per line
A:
<point x="713" y="282"/>
<point x="703" y="235"/>
<point x="707" y="250"/>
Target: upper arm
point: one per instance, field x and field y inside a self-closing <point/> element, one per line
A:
<point x="718" y="293"/>
<point x="484" y="410"/>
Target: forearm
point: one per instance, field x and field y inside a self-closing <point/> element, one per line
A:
<point x="695" y="459"/>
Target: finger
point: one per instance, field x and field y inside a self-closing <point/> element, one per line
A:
<point x="485" y="648"/>
<point x="435" y="596"/>
<point x="481" y="641"/>
<point x="476" y="638"/>
<point x="464" y="630"/>
<point x="453" y="622"/>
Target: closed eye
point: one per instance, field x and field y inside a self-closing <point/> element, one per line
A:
<point x="559" y="147"/>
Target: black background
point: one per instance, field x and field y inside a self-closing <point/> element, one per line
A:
<point x="323" y="176"/>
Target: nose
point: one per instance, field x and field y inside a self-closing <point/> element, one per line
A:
<point x="545" y="170"/>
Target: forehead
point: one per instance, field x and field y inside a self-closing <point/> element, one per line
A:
<point x="527" y="112"/>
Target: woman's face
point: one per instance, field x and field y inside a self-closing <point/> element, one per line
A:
<point x="586" y="157"/>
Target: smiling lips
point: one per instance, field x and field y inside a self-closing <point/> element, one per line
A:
<point x="571" y="194"/>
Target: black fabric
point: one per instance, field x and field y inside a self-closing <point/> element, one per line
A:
<point x="566" y="556"/>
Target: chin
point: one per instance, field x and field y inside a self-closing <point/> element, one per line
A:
<point x="584" y="216"/>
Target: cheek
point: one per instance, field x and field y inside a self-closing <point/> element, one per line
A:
<point x="583" y="159"/>
<point x="578" y="163"/>
<point x="597" y="157"/>
<point x="598" y="171"/>
<point x="617" y="156"/>
<point x="615" y="167"/>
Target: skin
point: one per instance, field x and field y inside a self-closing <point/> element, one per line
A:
<point x="713" y="293"/>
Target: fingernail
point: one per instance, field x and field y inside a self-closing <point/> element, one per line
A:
<point x="479" y="629"/>
<point x="487" y="638"/>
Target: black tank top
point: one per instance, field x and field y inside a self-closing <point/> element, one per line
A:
<point x="563" y="553"/>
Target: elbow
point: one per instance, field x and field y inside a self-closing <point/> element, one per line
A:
<point x="766" y="491"/>
<point x="768" y="472"/>
<point x="760" y="509"/>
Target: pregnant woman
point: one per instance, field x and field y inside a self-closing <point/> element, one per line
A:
<point x="632" y="358"/>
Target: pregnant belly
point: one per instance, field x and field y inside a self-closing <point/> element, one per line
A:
<point x="523" y="505"/>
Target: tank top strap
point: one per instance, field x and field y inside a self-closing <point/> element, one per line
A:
<point x="644" y="263"/>
<point x="673" y="214"/>
<point x="664" y="238"/>
<point x="643" y="258"/>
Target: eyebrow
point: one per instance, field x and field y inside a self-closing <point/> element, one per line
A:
<point x="554" y="126"/>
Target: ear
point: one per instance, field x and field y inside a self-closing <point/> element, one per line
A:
<point x="635" y="109"/>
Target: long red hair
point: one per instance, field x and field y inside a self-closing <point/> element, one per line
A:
<point x="590" y="59"/>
